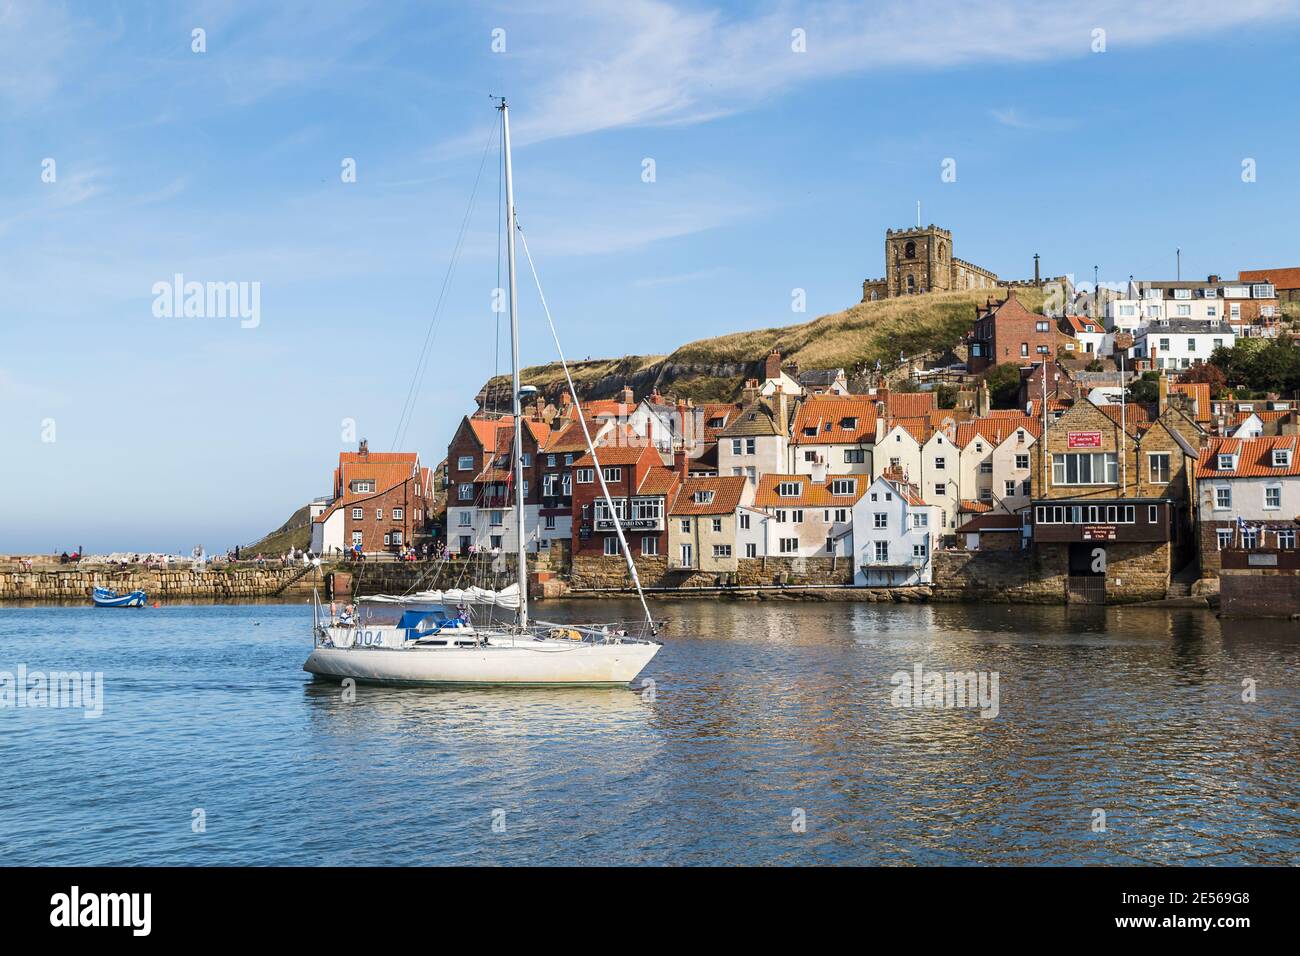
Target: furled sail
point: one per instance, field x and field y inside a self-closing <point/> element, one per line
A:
<point x="507" y="597"/>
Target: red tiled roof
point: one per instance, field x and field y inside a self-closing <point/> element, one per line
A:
<point x="377" y="457"/>
<point x="727" y="492"/>
<point x="918" y="428"/>
<point x="828" y="415"/>
<point x="1254" y="457"/>
<point x="811" y="494"/>
<point x="1264" y="416"/>
<point x="659" y="481"/>
<point x="910" y="404"/>
<point x="485" y="429"/>
<point x="974" y="507"/>
<point x="1080" y="325"/>
<point x="1200" y="392"/>
<point x="614" y="455"/>
<point x="1288" y="278"/>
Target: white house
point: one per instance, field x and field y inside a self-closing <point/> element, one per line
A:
<point x="1255" y="480"/>
<point x="833" y="431"/>
<point x="894" y="535"/>
<point x="811" y="515"/>
<point x="1180" y="343"/>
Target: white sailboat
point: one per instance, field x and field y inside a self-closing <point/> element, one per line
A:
<point x="434" y="640"/>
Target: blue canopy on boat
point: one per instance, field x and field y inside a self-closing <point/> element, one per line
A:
<point x="412" y="619"/>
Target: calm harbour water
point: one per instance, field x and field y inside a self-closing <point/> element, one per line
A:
<point x="759" y="709"/>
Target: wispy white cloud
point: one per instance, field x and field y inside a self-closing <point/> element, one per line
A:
<point x="1013" y="118"/>
<point x="655" y="282"/>
<point x="650" y="62"/>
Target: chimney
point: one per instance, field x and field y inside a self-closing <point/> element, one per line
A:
<point x="1212" y="279"/>
<point x="982" y="400"/>
<point x="772" y="365"/>
<point x="882" y="394"/>
<point x="681" y="464"/>
<point x="1163" y="392"/>
<point x="363" y="450"/>
<point x="819" y="471"/>
<point x="750" y="392"/>
<point x="782" y="421"/>
<point x="626" y="396"/>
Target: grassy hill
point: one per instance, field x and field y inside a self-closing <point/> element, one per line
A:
<point x="715" y="369"/>
<point x="294" y="533"/>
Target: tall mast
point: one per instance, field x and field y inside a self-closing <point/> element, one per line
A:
<point x="520" y="562"/>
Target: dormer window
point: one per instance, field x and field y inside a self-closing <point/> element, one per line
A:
<point x="1281" y="457"/>
<point x="703" y="497"/>
<point x="843" y="486"/>
<point x="1226" y="463"/>
<point x="789" y="489"/>
<point x="810" y="432"/>
<point x="848" y="422"/>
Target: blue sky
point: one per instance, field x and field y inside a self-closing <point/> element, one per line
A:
<point x="775" y="170"/>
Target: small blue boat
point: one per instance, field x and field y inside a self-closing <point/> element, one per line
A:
<point x="105" y="597"/>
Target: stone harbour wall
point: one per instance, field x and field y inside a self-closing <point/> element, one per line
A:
<point x="75" y="584"/>
<point x="596" y="571"/>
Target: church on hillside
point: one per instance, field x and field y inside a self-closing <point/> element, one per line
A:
<point x="920" y="260"/>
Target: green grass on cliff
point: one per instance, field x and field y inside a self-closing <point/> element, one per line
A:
<point x="850" y="339"/>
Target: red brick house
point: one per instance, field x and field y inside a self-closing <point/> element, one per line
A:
<point x="382" y="502"/>
<point x="641" y="487"/>
<point x="1008" y="332"/>
<point x="1286" y="282"/>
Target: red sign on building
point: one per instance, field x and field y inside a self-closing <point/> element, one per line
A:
<point x="1083" y="439"/>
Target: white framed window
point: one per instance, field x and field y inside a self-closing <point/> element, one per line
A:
<point x="920" y="519"/>
<point x="744" y="521"/>
<point x="550" y="522"/>
<point x="1286" y="538"/>
<point x="397" y="538"/>
<point x="1008" y="489"/>
<point x="1224" y="536"/>
<point x="1085" y="468"/>
<point x="497" y="518"/>
<point x="357" y="513"/>
<point x="356" y="539"/>
<point x="717" y="525"/>
<point x="736" y="444"/>
<point x="585" y="476"/>
<point x="751" y="550"/>
<point x="880" y="519"/>
<point x="844" y="486"/>
<point x="686" y="525"/>
<point x="363" y="487"/>
<point x="398" y="514"/>
<point x="550" y="461"/>
<point x="465" y="519"/>
<point x="1225" y="463"/>
<point x="855" y="456"/>
<point x="789" y="489"/>
<point x="702" y="497"/>
<point x="465" y="463"/>
<point x="1222" y="497"/>
<point x="986" y="468"/>
<point x="1158" y="467"/>
<point x="379" y="514"/>
<point x="882" y="550"/>
<point x="796" y="515"/>
<point x="789" y="545"/>
<point x="387" y="540"/>
<point x="465" y="493"/>
<point x="611" y="545"/>
<point x="722" y="550"/>
<point x="1249" y="539"/>
<point x="1273" y="497"/>
<point x="613" y="474"/>
<point x="1281" y="457"/>
<point x="650" y="545"/>
<point x="940" y="489"/>
<point x="919" y="550"/>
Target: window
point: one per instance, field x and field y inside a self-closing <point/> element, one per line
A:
<point x="789" y="545"/>
<point x="810" y="455"/>
<point x="550" y="461"/>
<point x="1225" y="538"/>
<point x="744" y="521"/>
<point x="986" y="468"/>
<point x="1273" y="497"/>
<point x="1222" y="497"/>
<point x="649" y="545"/>
<point x="1024" y="349"/>
<point x="568" y="459"/>
<point x="586" y="475"/>
<point x="363" y="487"/>
<point x="465" y="463"/>
<point x="1085" y="468"/>
<point x="796" y="515"/>
<point x="379" y="514"/>
<point x="841" y="515"/>
<point x="789" y="489"/>
<point x="1286" y="538"/>
<point x="526" y="459"/>
<point x="736" y="444"/>
<point x="920" y="519"/>
<point x="1008" y="489"/>
<point x="919" y="550"/>
<point x="356" y="538"/>
<point x="496" y="542"/>
<point x="855" y="456"/>
<point x="1281" y="457"/>
<point x="939" y="463"/>
<point x="751" y="550"/>
<point x="830" y="545"/>
<point x="611" y="545"/>
<point x="398" y="514"/>
<point x="1249" y="538"/>
<point x="750" y="445"/>
<point x="1225" y="463"/>
<point x="882" y="550"/>
<point x="843" y="486"/>
<point x="939" y="489"/>
<point x="848" y="422"/>
<point x="550" y="522"/>
<point x="1022" y="461"/>
<point x="703" y="497"/>
<point x="566" y="486"/>
<point x="356" y="514"/>
<point x="397" y="538"/>
<point x="1158" y="468"/>
<point x="497" y="518"/>
<point x="465" y="492"/>
<point x="466" y="519"/>
<point x="1041" y="326"/>
<point x="722" y="550"/>
<point x="613" y="474"/>
<point x="880" y="519"/>
<point x="717" y="525"/>
<point x="686" y="525"/>
<point x="1153" y="514"/>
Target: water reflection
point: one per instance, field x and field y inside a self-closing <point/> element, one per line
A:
<point x="760" y="710"/>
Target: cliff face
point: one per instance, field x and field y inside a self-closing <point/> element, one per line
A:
<point x="715" y="369"/>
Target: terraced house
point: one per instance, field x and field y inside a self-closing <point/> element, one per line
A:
<point x="811" y="514"/>
<point x="1114" y="494"/>
<point x="380" y="503"/>
<point x="703" y="524"/>
<point x="754" y="441"/>
<point x="1249" y="496"/>
<point x="641" y="488"/>
<point x="833" y="431"/>
<point x="894" y="534"/>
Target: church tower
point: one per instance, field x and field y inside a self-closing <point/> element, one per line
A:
<point x="918" y="260"/>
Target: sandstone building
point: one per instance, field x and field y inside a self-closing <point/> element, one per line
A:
<point x="921" y="260"/>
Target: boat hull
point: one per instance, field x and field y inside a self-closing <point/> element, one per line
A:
<point x="538" y="664"/>
<point x="134" y="599"/>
